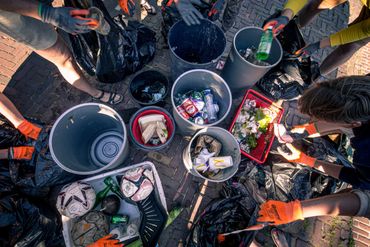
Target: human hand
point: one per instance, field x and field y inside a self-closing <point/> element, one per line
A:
<point x="308" y="50"/>
<point x="29" y="129"/>
<point x="277" y="24"/>
<point x="65" y="18"/>
<point x="188" y="12"/>
<point x="296" y="156"/>
<point x="277" y="212"/>
<point x="282" y="134"/>
<point x="107" y="241"/>
<point x="21" y="153"/>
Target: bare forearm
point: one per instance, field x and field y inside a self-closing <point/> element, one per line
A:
<point x="345" y="204"/>
<point x="331" y="169"/>
<point x="22" y="7"/>
<point x="8" y="109"/>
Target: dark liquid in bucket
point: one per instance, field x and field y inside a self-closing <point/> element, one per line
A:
<point x="192" y="57"/>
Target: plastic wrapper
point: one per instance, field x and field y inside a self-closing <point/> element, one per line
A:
<point x="125" y="50"/>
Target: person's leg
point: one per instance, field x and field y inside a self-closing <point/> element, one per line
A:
<point x="230" y="13"/>
<point x="10" y="112"/>
<point x="341" y="55"/>
<point x="313" y="8"/>
<point x="60" y="55"/>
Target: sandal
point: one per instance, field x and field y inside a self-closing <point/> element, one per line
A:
<point x="150" y="9"/>
<point x="112" y="98"/>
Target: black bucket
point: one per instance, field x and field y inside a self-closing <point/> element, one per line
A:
<point x="146" y="88"/>
<point x="195" y="47"/>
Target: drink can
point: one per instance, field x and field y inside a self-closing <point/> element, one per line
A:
<point x="197" y="95"/>
<point x="199" y="120"/>
<point x="119" y="219"/>
<point x="189" y="107"/>
<point x="182" y="112"/>
<point x="207" y="91"/>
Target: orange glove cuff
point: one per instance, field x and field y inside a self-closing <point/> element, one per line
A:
<point x="306" y="160"/>
<point x="29" y="130"/>
<point x="21" y="153"/>
<point x="310" y="128"/>
<point x="297" y="210"/>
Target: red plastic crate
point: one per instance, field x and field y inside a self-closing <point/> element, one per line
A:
<point x="259" y="154"/>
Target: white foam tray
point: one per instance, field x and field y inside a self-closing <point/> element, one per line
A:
<point x="126" y="208"/>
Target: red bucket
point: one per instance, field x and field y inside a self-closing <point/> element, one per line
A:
<point x="135" y="131"/>
<point x="264" y="143"/>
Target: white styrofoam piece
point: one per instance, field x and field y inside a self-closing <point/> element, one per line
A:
<point x="126" y="208"/>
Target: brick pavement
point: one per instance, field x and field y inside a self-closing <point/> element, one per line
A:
<point x="39" y="91"/>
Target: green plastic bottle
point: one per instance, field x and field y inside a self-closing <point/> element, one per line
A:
<point x="102" y="194"/>
<point x="113" y="187"/>
<point x="264" y="47"/>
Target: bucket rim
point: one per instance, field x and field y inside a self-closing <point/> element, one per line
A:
<point x="182" y="60"/>
<point x="167" y="82"/>
<point x="213" y="74"/>
<point x="56" y="160"/>
<point x="254" y="65"/>
<point x="204" y="131"/>
<point x="149" y="148"/>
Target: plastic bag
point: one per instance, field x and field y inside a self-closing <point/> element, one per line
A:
<point x="223" y="216"/>
<point x="26" y="223"/>
<point x="279" y="180"/>
<point x="125" y="49"/>
<point x="289" y="79"/>
<point x="33" y="177"/>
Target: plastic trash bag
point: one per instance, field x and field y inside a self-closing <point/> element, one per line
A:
<point x="280" y="180"/>
<point x="25" y="223"/>
<point x="32" y="177"/>
<point x="223" y="216"/>
<point x="289" y="79"/>
<point x="125" y="50"/>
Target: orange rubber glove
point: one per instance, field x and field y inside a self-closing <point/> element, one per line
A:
<point x="21" y="153"/>
<point x="277" y="212"/>
<point x="107" y="241"/>
<point x="296" y="156"/>
<point x="29" y="130"/>
<point x="310" y="129"/>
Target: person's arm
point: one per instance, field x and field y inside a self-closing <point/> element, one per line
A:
<point x="351" y="34"/>
<point x="328" y="168"/>
<point x="310" y="130"/>
<point x="292" y="7"/>
<point x="8" y="109"/>
<point x="345" y="204"/>
<point x="69" y="19"/>
<point x="278" y="212"/>
<point x="22" y="7"/>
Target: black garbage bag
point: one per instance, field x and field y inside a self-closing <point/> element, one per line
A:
<point x="223" y="216"/>
<point x="32" y="177"/>
<point x="292" y="75"/>
<point x="36" y="176"/>
<point x="125" y="50"/>
<point x="279" y="180"/>
<point x="25" y="223"/>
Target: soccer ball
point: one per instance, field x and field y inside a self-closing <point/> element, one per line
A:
<point x="76" y="199"/>
<point x="137" y="183"/>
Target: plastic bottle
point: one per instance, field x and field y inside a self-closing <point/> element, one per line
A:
<point x="113" y="187"/>
<point x="210" y="106"/>
<point x="102" y="194"/>
<point x="264" y="47"/>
